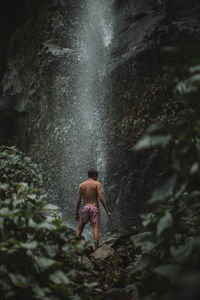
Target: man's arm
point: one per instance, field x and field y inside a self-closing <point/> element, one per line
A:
<point x="78" y="203"/>
<point x="103" y="201"/>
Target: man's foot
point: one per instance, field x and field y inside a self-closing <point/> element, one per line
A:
<point x="79" y="238"/>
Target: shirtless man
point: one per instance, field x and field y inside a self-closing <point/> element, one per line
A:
<point x="90" y="190"/>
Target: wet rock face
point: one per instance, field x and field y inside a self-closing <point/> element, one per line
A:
<point x="38" y="53"/>
<point x="136" y="21"/>
<point x="13" y="16"/>
<point x="143" y="25"/>
<point x="36" y="91"/>
<point x="138" y="96"/>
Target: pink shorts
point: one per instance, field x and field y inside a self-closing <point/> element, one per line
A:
<point x="90" y="213"/>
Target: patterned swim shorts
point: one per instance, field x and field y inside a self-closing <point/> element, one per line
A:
<point x="90" y="213"/>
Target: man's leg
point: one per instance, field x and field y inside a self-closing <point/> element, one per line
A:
<point x="81" y="226"/>
<point x="96" y="235"/>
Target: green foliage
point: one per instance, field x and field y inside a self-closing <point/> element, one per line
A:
<point x="169" y="264"/>
<point x="16" y="167"/>
<point x="37" y="260"/>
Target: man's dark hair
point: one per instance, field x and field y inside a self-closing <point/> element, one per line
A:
<point x="92" y="173"/>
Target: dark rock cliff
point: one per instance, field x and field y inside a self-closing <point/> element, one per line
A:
<point x="37" y="54"/>
<point x="139" y="95"/>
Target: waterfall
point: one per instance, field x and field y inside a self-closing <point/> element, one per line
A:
<point x="86" y="114"/>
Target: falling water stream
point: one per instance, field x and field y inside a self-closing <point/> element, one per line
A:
<point x="87" y="113"/>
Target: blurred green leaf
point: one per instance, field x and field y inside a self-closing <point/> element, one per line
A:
<point x="43" y="262"/>
<point x="184" y="252"/>
<point x="164" y="190"/>
<point x="195" y="168"/>
<point x="150" y="141"/>
<point x="32" y="196"/>
<point x="51" y="207"/>
<point x="29" y="245"/>
<point x="59" y="277"/>
<point x="144" y="263"/>
<point x="4" y="186"/>
<point x="19" y="280"/>
<point x="46" y="225"/>
<point x="22" y="186"/>
<point x="170" y="271"/>
<point x="147" y="218"/>
<point x="91" y="285"/>
<point x="144" y="240"/>
<point x="164" y="223"/>
<point x="194" y="69"/>
<point x="40" y="292"/>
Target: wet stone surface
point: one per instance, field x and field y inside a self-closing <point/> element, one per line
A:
<point x="106" y="267"/>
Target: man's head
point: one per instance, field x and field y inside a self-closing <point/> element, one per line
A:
<point x="92" y="173"/>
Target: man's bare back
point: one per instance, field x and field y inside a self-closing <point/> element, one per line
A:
<point x="89" y="189"/>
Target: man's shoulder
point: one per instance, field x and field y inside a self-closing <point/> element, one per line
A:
<point x="84" y="183"/>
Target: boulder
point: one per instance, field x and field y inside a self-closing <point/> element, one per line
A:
<point x="109" y="265"/>
<point x="85" y="261"/>
<point x="103" y="253"/>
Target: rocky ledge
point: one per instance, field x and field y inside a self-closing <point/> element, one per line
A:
<point x="106" y="268"/>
